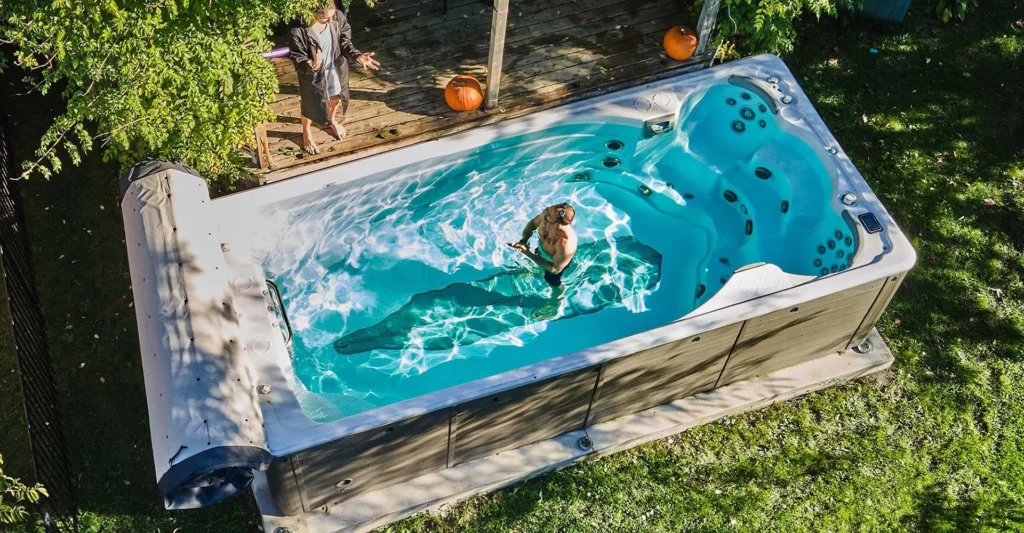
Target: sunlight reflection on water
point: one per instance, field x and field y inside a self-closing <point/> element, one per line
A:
<point x="389" y="279"/>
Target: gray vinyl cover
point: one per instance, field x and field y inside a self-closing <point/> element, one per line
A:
<point x="205" y="422"/>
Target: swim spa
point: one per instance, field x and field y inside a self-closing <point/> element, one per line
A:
<point x="366" y="324"/>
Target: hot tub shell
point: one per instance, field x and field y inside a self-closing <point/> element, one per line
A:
<point x="223" y="399"/>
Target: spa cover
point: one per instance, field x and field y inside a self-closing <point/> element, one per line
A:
<point x="205" y="423"/>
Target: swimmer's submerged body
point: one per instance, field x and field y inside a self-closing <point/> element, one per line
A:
<point x="557" y="247"/>
<point x="553" y="278"/>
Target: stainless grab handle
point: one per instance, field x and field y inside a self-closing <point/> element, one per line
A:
<point x="275" y="294"/>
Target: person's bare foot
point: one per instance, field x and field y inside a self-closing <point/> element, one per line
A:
<point x="339" y="130"/>
<point x="309" y="144"/>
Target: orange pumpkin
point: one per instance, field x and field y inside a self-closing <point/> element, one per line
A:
<point x="463" y="93"/>
<point x="680" y="43"/>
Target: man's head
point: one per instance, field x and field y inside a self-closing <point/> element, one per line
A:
<point x="324" y="14"/>
<point x="562" y="213"/>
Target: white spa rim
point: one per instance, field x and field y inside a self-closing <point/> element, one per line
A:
<point x="879" y="255"/>
<point x="279" y="427"/>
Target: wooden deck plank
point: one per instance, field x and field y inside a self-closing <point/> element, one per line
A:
<point x="336" y="152"/>
<point x="553" y="23"/>
<point x="519" y="57"/>
<point x="462" y="123"/>
<point x="421" y="13"/>
<point x="406" y="69"/>
<point x="519" y="45"/>
<point x="436" y="116"/>
<point x="556" y="80"/>
<point x="396" y="70"/>
<point x="555" y="51"/>
<point x="467" y="20"/>
<point x="550" y="85"/>
<point x="423" y="66"/>
<point x="472" y="20"/>
<point x="415" y="99"/>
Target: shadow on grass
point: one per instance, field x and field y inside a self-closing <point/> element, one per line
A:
<point x="935" y="123"/>
<point x="938" y="510"/>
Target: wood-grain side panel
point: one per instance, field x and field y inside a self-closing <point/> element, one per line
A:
<point x="284" y="486"/>
<point x="803" y="332"/>
<point x="881" y="303"/>
<point x="374" y="459"/>
<point x="521" y="416"/>
<point x="662" y="374"/>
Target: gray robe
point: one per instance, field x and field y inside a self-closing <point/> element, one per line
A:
<point x="303" y="44"/>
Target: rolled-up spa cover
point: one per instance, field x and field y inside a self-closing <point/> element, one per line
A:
<point x="204" y="418"/>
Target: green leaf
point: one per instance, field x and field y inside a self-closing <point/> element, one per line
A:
<point x="12" y="493"/>
<point x="177" y="78"/>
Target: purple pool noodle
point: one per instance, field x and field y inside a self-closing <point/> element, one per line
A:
<point x="276" y="52"/>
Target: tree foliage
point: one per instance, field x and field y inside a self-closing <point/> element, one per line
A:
<point x="14" y="493"/>
<point x="948" y="10"/>
<point x="171" y="78"/>
<point x="755" y="26"/>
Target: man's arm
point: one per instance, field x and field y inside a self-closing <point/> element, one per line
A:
<point x="531" y="226"/>
<point x="560" y="260"/>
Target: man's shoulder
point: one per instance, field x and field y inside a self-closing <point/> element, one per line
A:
<point x="569" y="240"/>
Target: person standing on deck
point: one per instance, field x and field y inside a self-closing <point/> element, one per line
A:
<point x="321" y="50"/>
<point x="557" y="242"/>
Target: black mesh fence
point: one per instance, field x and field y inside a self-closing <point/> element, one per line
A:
<point x="42" y="410"/>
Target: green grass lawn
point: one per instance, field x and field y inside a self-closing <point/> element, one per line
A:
<point x="934" y="121"/>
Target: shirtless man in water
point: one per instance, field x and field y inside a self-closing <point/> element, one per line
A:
<point x="557" y="242"/>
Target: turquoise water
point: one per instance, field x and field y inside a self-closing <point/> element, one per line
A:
<point x="400" y="285"/>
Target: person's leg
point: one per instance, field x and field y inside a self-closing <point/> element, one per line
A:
<point x="553" y="307"/>
<point x="332" y="112"/>
<point x="343" y="96"/>
<point x="308" y="143"/>
<point x="344" y="99"/>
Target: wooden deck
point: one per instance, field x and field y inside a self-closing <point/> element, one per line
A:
<point x="556" y="51"/>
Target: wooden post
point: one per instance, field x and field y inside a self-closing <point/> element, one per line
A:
<point x="499" y="20"/>
<point x="262" y="147"/>
<point x="706" y="25"/>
